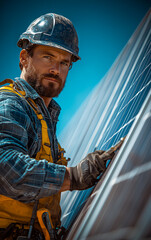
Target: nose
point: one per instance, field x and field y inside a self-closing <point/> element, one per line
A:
<point x="55" y="68"/>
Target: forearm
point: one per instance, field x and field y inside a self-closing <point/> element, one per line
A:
<point x="25" y="179"/>
<point x="66" y="182"/>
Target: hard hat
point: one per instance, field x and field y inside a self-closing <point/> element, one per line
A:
<point x="51" y="30"/>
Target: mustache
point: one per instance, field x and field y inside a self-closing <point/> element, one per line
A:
<point x="51" y="75"/>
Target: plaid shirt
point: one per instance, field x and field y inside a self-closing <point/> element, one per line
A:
<point x="21" y="176"/>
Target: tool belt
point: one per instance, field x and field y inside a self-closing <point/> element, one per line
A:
<point x="13" y="231"/>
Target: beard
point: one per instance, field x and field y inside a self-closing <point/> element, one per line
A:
<point x="50" y="90"/>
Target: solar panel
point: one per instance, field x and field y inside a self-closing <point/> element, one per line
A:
<point x="108" y="114"/>
<point x="122" y="206"/>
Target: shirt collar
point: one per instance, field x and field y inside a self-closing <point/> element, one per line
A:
<point x="30" y="92"/>
<point x="54" y="109"/>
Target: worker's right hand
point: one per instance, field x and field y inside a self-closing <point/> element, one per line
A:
<point x="85" y="174"/>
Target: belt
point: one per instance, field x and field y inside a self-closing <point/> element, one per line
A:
<point x="13" y="232"/>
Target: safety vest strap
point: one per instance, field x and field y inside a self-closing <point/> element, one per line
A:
<point x="45" y="150"/>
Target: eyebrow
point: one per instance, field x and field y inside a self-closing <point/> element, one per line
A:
<point x="45" y="52"/>
<point x="52" y="55"/>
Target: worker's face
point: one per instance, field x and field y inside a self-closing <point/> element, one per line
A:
<point x="47" y="69"/>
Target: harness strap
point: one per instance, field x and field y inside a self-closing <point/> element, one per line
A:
<point x="45" y="144"/>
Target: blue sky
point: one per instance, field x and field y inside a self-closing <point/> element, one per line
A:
<point x="103" y="27"/>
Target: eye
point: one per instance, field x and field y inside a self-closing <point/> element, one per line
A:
<point x="47" y="57"/>
<point x="65" y="64"/>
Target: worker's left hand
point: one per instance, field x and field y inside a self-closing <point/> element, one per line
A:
<point x="85" y="174"/>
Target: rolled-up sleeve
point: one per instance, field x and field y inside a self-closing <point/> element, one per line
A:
<point x="21" y="177"/>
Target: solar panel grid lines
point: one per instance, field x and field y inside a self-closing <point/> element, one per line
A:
<point x="132" y="87"/>
<point x="97" y="95"/>
<point x="115" y="107"/>
<point x="87" y="204"/>
<point x="100" y="136"/>
<point x="126" y="121"/>
<point x="109" y="111"/>
<point x="78" y="122"/>
<point x="131" y="108"/>
<point x="112" y="196"/>
<point x="86" y="122"/>
<point x="71" y="199"/>
<point x="95" y="115"/>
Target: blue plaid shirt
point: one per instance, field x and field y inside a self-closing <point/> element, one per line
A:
<point x="21" y="176"/>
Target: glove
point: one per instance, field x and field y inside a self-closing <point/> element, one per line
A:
<point x="85" y="174"/>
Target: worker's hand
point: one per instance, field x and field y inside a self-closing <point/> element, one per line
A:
<point x="85" y="174"/>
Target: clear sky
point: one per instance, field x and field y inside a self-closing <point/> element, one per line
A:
<point x="103" y="27"/>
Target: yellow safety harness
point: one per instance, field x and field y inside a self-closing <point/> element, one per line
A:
<point x="13" y="211"/>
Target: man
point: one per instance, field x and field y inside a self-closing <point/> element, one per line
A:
<point x="32" y="165"/>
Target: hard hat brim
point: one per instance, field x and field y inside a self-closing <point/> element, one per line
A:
<point x="29" y="41"/>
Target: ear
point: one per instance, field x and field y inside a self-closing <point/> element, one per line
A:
<point x="24" y="58"/>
